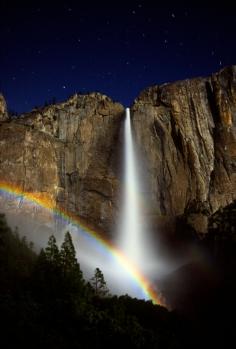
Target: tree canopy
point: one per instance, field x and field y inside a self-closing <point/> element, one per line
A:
<point x="45" y="300"/>
<point x="99" y="284"/>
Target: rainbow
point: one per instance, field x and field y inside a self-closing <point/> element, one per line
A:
<point x="48" y="203"/>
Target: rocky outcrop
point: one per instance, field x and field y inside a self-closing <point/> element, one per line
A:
<point x="3" y="109"/>
<point x="187" y="132"/>
<point x="67" y="152"/>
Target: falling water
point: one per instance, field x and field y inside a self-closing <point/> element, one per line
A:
<point x="131" y="239"/>
<point x="134" y="238"/>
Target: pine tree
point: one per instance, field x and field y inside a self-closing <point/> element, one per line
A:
<point x="42" y="257"/>
<point x="69" y="263"/>
<point x="41" y="265"/>
<point x="99" y="284"/>
<point x="52" y="251"/>
<point x="39" y="277"/>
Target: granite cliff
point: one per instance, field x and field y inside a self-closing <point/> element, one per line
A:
<point x="187" y="132"/>
<point x="70" y="152"/>
<point x="66" y="153"/>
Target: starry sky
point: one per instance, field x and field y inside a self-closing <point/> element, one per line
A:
<point x="51" y="51"/>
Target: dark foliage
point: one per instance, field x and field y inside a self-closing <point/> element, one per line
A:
<point x="204" y="289"/>
<point x="99" y="284"/>
<point x="45" y="303"/>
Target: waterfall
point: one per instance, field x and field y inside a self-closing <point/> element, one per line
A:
<point x="131" y="234"/>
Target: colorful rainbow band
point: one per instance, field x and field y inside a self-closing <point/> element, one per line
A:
<point x="49" y="204"/>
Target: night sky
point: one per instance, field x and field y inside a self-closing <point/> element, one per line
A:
<point x="52" y="51"/>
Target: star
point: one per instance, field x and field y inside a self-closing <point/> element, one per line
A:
<point x="133" y="12"/>
<point x="172" y="15"/>
<point x="64" y="87"/>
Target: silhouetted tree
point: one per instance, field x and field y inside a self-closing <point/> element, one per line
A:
<point x="49" y="300"/>
<point x="52" y="251"/>
<point x="99" y="284"/>
<point x="40" y="275"/>
<point x="70" y="268"/>
<point x="69" y="261"/>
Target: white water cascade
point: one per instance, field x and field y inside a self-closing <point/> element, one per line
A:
<point x="131" y="226"/>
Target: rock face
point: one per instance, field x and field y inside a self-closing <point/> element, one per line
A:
<point x="66" y="152"/>
<point x="3" y="109"/>
<point x="185" y="131"/>
<point x="222" y="225"/>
